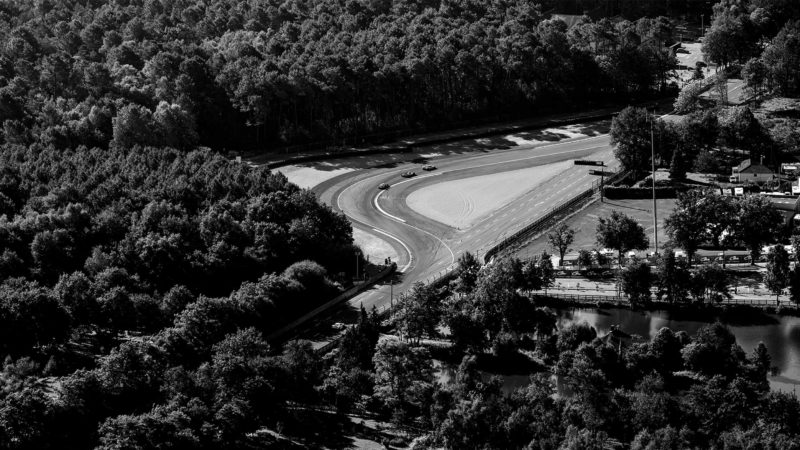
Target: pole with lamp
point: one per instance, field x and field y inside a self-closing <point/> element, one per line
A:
<point x="653" y="167"/>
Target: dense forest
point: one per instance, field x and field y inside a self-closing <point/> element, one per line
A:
<point x="140" y="268"/>
<point x="120" y="266"/>
<point x="254" y="74"/>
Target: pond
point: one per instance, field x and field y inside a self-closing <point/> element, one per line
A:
<point x="781" y="335"/>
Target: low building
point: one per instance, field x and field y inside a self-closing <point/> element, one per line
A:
<point x="750" y="172"/>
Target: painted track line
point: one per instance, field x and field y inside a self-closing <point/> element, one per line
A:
<point x="408" y="250"/>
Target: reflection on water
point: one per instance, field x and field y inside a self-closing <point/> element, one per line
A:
<point x="446" y="373"/>
<point x="781" y="335"/>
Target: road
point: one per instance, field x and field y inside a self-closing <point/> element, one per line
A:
<point x="428" y="248"/>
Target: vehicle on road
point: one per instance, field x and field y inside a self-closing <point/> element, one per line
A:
<point x="408" y="174"/>
<point x="428" y="167"/>
<point x="338" y="326"/>
<point x="383" y="186"/>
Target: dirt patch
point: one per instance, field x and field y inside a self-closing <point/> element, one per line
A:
<point x="462" y="203"/>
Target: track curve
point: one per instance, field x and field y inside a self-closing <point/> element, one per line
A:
<point x="427" y="247"/>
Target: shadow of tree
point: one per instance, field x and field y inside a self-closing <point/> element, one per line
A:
<point x="421" y="155"/>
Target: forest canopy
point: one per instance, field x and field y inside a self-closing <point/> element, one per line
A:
<point x="254" y="74"/>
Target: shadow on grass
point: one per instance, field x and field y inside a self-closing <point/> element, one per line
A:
<point x="620" y="205"/>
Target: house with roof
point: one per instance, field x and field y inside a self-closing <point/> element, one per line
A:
<point x="752" y="172"/>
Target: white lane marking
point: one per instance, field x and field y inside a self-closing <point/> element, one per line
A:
<point x="452" y="255"/>
<point x="382" y="211"/>
<point x="408" y="250"/>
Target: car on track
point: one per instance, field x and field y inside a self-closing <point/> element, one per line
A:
<point x="429" y="167"/>
<point x="383" y="186"/>
<point x="408" y="174"/>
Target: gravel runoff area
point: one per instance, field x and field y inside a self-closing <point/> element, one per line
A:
<point x="374" y="248"/>
<point x="309" y="176"/>
<point x="462" y="203"/>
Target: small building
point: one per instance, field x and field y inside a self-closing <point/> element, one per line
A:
<point x="749" y="172"/>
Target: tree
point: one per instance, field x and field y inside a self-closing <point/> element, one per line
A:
<point x="757" y="223"/>
<point x="689" y="98"/>
<point x="636" y="282"/>
<point x="403" y="379"/>
<point x="560" y="239"/>
<point x="718" y="214"/>
<point x="466" y="273"/>
<point x="584" y="258"/>
<point x="672" y="277"/>
<point x="417" y="313"/>
<point x="710" y="282"/>
<point x="622" y="233"/>
<point x="754" y="74"/>
<point x="685" y="224"/>
<point x="782" y="59"/>
<point x="713" y="351"/>
<point x="134" y="125"/>
<point x="739" y="128"/>
<point x="777" y="276"/>
<point x="794" y="284"/>
<point x="176" y="126"/>
<point x="630" y="132"/>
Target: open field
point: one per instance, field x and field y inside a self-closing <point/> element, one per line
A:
<point x="585" y="223"/>
<point x="461" y="203"/>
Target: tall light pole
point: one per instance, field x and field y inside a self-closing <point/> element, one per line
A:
<point x="653" y="165"/>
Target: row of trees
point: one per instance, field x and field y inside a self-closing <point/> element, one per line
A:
<point x="232" y="74"/>
<point x="740" y="29"/>
<point x="706" y="217"/>
<point x="696" y="140"/>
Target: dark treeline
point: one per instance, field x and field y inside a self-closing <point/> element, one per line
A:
<point x="690" y="9"/>
<point x="240" y="74"/>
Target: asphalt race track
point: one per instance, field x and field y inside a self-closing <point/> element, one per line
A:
<point x="428" y="248"/>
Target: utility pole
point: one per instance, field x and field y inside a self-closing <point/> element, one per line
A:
<point x="653" y="164"/>
<point x="602" y="178"/>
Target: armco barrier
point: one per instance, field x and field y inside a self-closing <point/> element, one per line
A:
<point x="549" y="219"/>
<point x="346" y="295"/>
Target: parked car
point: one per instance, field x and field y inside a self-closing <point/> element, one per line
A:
<point x="408" y="174"/>
<point x="383" y="186"/>
<point x="428" y="167"/>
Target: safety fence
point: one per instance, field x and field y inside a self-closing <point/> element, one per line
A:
<point x="594" y="300"/>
